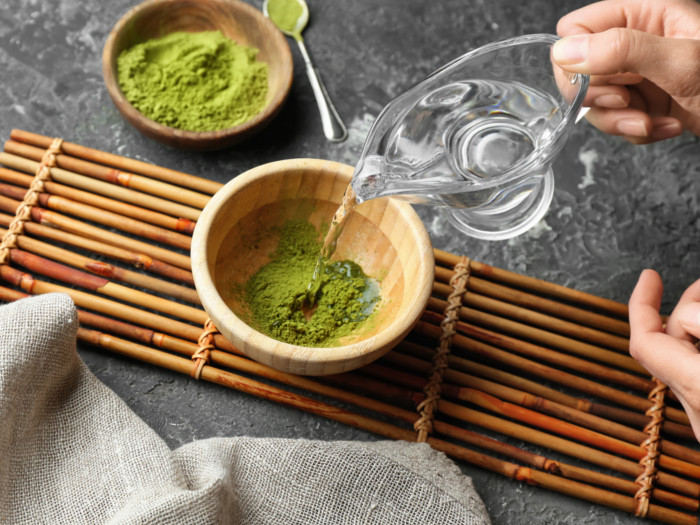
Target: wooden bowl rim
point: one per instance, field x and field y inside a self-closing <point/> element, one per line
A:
<point x="124" y="106"/>
<point x="218" y="310"/>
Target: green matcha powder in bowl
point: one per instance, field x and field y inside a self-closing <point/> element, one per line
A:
<point x="194" y="81"/>
<point x="276" y="293"/>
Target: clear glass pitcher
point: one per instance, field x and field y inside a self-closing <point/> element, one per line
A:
<point x="477" y="137"/>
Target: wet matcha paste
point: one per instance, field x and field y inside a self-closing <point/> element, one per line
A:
<point x="276" y="293"/>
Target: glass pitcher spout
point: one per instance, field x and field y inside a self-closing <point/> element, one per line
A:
<point x="478" y="135"/>
<point x="373" y="179"/>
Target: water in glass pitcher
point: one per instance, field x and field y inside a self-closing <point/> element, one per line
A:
<point x="454" y="145"/>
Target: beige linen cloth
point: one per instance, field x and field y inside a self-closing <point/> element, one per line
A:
<point x="72" y="452"/>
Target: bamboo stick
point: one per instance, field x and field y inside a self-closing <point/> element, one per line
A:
<point x="101" y="157"/>
<point x="523" y="347"/>
<point x="527" y="316"/>
<point x="627" y="417"/>
<point x="138" y="260"/>
<point x="137" y="198"/>
<point x="33" y="286"/>
<point x="57" y="220"/>
<point x="104" y="269"/>
<point x="113" y="176"/>
<point x="582" y="366"/>
<point x="579" y="433"/>
<point x="105" y="218"/>
<point x="537" y="285"/>
<point x="498" y="375"/>
<point x="586" y="453"/>
<point x="543" y="439"/>
<point x="381" y="389"/>
<point x="584" y="385"/>
<point x="556" y="483"/>
<point x="85" y="197"/>
<point x="137" y="316"/>
<point x="531" y="333"/>
<point x="551" y="424"/>
<point x="493" y="404"/>
<point x="455" y="379"/>
<point x="538" y="303"/>
<point x="100" y="285"/>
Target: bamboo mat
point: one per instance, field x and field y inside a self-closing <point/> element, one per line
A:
<point x="531" y="362"/>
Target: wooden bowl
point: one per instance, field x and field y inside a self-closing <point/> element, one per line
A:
<point x="236" y="20"/>
<point x="236" y="234"/>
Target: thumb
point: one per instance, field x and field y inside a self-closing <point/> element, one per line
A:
<point x="662" y="60"/>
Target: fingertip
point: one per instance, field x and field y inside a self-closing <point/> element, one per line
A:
<point x="644" y="304"/>
<point x="571" y="50"/>
<point x="627" y="122"/>
<point x="689" y="314"/>
<point x="611" y="100"/>
<point x="632" y="127"/>
<point x="649" y="287"/>
<point x="649" y="274"/>
<point x="666" y="129"/>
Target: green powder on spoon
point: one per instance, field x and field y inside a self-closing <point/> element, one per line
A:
<point x="285" y="13"/>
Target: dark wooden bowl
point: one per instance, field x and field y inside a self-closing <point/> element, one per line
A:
<point x="236" y="20"/>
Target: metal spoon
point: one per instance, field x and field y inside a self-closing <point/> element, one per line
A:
<point x="333" y="127"/>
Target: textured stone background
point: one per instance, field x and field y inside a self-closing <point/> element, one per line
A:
<point x="617" y="208"/>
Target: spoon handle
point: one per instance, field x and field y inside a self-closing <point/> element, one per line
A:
<point x="333" y="127"/>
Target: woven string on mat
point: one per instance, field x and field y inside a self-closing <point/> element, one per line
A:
<point x="432" y="389"/>
<point x="24" y="210"/>
<point x="651" y="444"/>
<point x="205" y="345"/>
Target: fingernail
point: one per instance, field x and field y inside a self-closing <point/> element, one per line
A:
<point x="632" y="127"/>
<point x="610" y="101"/>
<point x="689" y="315"/>
<point x="667" y="131"/>
<point x="571" y="50"/>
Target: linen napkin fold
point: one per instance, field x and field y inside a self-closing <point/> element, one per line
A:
<point x="72" y="452"/>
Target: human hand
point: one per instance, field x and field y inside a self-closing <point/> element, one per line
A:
<point x="669" y="354"/>
<point x="644" y="58"/>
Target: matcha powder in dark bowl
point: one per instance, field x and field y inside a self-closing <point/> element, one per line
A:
<point x="194" y="81"/>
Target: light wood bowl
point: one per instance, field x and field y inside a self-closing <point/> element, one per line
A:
<point x="236" y="234"/>
<point x="236" y="20"/>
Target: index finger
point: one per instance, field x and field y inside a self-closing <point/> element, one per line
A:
<point x="644" y="305"/>
<point x="661" y="354"/>
<point x="600" y="16"/>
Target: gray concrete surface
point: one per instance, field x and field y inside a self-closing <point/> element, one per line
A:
<point x="617" y="208"/>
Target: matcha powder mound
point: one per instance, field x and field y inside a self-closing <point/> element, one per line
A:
<point x="275" y="295"/>
<point x="194" y="81"/>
